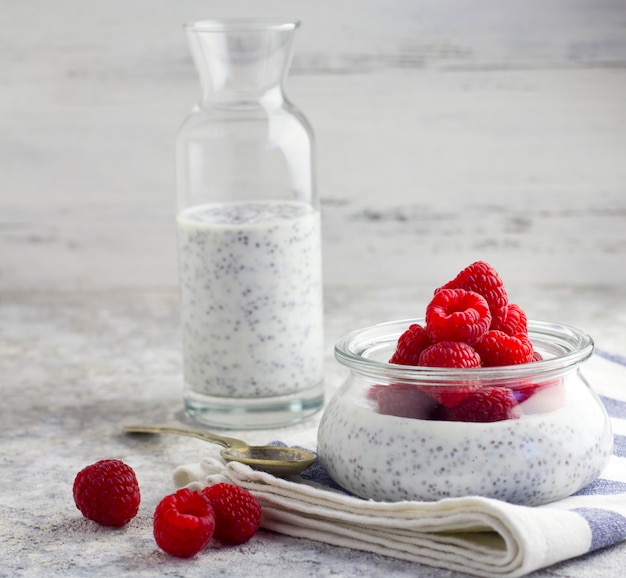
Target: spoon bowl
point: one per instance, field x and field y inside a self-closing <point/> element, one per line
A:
<point x="280" y="461"/>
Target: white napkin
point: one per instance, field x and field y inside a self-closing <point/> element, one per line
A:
<point x="480" y="536"/>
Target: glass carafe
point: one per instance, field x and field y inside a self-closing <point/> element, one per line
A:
<point x="249" y="234"/>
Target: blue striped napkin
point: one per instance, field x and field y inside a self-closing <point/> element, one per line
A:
<point x="475" y="535"/>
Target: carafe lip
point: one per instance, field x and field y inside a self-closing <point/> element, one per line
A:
<point x="261" y="24"/>
<point x="568" y="345"/>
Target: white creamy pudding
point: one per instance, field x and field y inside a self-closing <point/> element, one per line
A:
<point x="251" y="299"/>
<point x="531" y="460"/>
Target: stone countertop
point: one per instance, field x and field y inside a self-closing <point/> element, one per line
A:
<point x="447" y="132"/>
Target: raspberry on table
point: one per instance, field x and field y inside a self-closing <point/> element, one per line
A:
<point x="406" y="400"/>
<point x="107" y="492"/>
<point x="487" y="404"/>
<point x="183" y="523"/>
<point x="457" y="315"/>
<point x="410" y="344"/>
<point x="450" y="354"/>
<point x="237" y="512"/>
<point x="483" y="279"/>
<point x="496" y="348"/>
<point x="513" y="322"/>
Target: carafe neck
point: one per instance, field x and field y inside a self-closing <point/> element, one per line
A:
<point x="241" y="61"/>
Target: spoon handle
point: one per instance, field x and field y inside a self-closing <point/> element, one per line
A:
<point x="206" y="436"/>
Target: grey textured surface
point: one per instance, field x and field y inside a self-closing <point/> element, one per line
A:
<point x="76" y="366"/>
<point x="447" y="132"/>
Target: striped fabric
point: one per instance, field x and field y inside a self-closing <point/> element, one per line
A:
<point x="473" y="535"/>
<point x="602" y="504"/>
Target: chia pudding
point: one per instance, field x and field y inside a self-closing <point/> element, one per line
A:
<point x="558" y="442"/>
<point x="251" y="300"/>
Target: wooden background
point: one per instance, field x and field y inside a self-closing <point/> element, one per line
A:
<point x="447" y="131"/>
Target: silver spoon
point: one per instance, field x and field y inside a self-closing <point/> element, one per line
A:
<point x="276" y="460"/>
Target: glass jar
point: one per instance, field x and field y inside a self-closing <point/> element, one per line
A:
<point x="390" y="432"/>
<point x="248" y="234"/>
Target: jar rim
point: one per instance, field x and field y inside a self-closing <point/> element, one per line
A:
<point x="242" y="25"/>
<point x="357" y="348"/>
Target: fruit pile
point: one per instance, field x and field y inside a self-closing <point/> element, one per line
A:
<point x="107" y="492"/>
<point x="468" y="323"/>
<point x="185" y="522"/>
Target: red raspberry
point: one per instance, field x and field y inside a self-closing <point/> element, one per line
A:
<point x="410" y="344"/>
<point x="482" y="278"/>
<point x="183" y="523"/>
<point x="237" y="513"/>
<point x="496" y="348"/>
<point x="405" y="400"/>
<point x="450" y="354"/>
<point x="107" y="492"/>
<point x="487" y="404"/>
<point x="513" y="322"/>
<point x="372" y="392"/>
<point x="524" y="391"/>
<point x="457" y="315"/>
<point x="449" y="396"/>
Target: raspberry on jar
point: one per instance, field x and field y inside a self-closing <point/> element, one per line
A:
<point x="483" y="279"/>
<point x="450" y="354"/>
<point x="457" y="315"/>
<point x="496" y="348"/>
<point x="410" y="345"/>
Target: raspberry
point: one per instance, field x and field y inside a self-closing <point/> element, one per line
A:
<point x="107" y="492"/>
<point x="449" y="396"/>
<point x="513" y="322"/>
<point x="524" y="391"/>
<point x="410" y="344"/>
<point x="183" y="523"/>
<point x="487" y="404"/>
<point x="457" y="315"/>
<point x="405" y="400"/>
<point x="496" y="348"/>
<point x="450" y="354"/>
<point x="237" y="513"/>
<point x="483" y="279"/>
<point x="372" y="392"/>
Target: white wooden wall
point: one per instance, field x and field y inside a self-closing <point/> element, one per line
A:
<point x="447" y="131"/>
